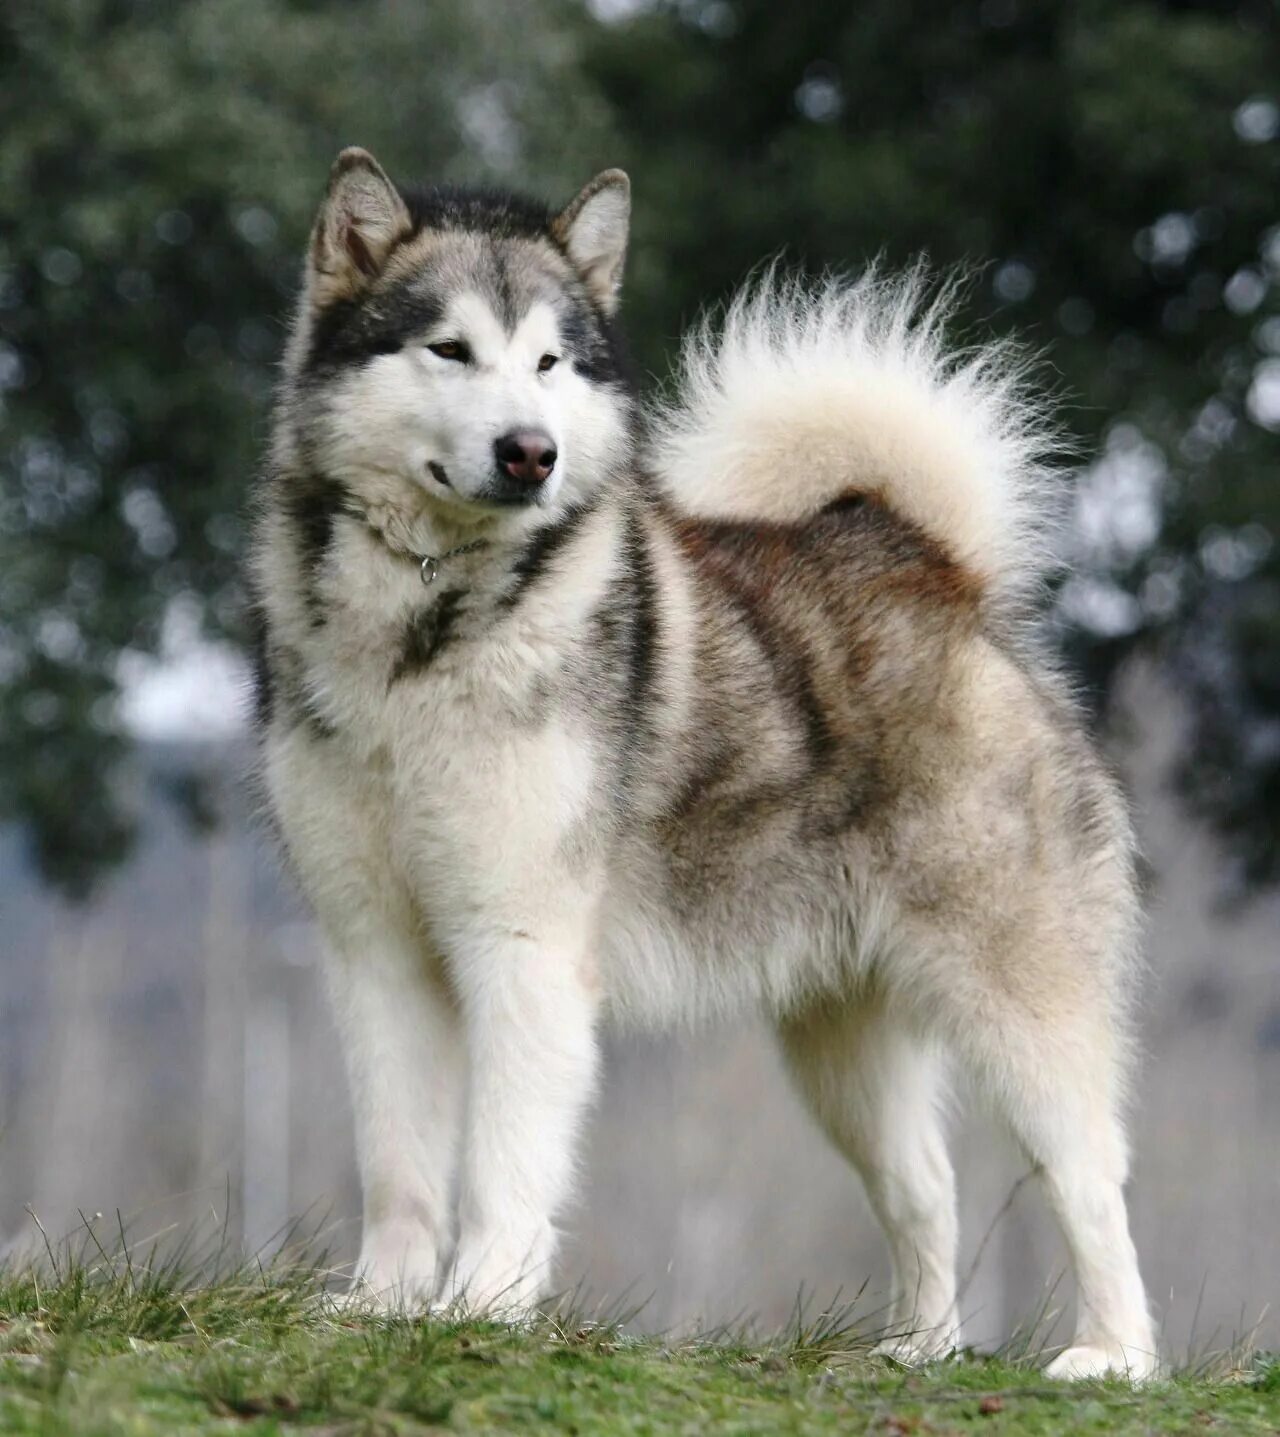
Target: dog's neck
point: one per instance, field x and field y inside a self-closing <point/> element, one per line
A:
<point x="416" y="531"/>
<point x="435" y="545"/>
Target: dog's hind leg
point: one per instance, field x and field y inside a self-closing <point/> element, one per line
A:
<point x="876" y="1087"/>
<point x="1029" y="992"/>
<point x="1057" y="1080"/>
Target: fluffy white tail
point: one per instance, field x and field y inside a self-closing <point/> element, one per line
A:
<point x="805" y="393"/>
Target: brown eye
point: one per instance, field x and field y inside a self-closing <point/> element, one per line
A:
<point x="548" y="361"/>
<point x="451" y="349"/>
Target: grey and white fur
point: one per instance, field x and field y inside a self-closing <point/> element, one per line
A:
<point x="732" y="706"/>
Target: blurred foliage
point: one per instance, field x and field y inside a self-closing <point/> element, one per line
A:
<point x="1113" y="166"/>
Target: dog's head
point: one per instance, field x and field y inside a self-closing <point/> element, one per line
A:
<point x="455" y="348"/>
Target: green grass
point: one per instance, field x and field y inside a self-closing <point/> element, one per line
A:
<point x="109" y="1343"/>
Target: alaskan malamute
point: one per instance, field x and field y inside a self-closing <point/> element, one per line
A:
<point x="570" y="710"/>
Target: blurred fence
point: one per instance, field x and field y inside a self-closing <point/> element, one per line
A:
<point x="167" y="1052"/>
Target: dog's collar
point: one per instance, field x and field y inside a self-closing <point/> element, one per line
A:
<point x="429" y="564"/>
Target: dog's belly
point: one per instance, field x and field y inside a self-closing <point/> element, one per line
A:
<point x="763" y="937"/>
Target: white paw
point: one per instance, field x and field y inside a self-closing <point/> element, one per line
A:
<point x="396" y="1270"/>
<point x="917" y="1349"/>
<point x="501" y="1294"/>
<point x="489" y="1279"/>
<point x="377" y="1294"/>
<point x="1111" y="1360"/>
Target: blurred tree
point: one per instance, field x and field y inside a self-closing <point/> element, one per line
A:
<point x="1117" y="165"/>
<point x="159" y="167"/>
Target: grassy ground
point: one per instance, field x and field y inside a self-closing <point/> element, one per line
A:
<point x="112" y="1345"/>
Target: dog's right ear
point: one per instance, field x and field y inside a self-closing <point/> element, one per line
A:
<point x="593" y="229"/>
<point x="360" y="222"/>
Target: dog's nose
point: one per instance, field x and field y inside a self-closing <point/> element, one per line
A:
<point x="527" y="455"/>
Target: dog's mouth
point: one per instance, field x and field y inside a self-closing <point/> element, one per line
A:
<point x="499" y="495"/>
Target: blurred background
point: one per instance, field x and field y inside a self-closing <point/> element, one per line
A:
<point x="1112" y="170"/>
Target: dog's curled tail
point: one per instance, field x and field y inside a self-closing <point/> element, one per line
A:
<point x="804" y="393"/>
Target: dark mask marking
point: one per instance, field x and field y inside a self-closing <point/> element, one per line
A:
<point x="625" y="650"/>
<point x="544" y="544"/>
<point x="350" y="332"/>
<point x="643" y="636"/>
<point x="280" y="685"/>
<point x="429" y="631"/>
<point x="312" y="504"/>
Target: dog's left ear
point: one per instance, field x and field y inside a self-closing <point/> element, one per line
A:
<point x="593" y="230"/>
<point x="360" y="222"/>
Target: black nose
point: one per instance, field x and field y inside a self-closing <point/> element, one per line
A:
<point x="527" y="455"/>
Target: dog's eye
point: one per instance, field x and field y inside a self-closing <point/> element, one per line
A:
<point x="548" y="361"/>
<point x="451" y="349"/>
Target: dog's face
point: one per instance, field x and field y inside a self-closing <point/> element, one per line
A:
<point x="459" y="346"/>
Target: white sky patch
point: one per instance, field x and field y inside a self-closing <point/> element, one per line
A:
<point x="1116" y="518"/>
<point x="195" y="690"/>
<point x="615" y="11"/>
<point x="1257" y="120"/>
<point x="1169" y="241"/>
<point x="1244" y="291"/>
<point x="1100" y="606"/>
<point x="1263" y="399"/>
<point x="1117" y="503"/>
<point x="819" y="96"/>
<point x="1234" y="554"/>
<point x="485" y="117"/>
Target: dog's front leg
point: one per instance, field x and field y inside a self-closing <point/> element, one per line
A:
<point x="528" y="1000"/>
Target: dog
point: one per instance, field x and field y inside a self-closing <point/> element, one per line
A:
<point x="569" y="708"/>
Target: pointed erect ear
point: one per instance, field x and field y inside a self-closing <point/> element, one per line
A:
<point x="593" y="230"/>
<point x="358" y="226"/>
